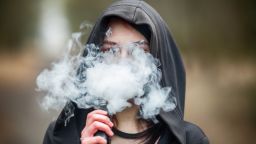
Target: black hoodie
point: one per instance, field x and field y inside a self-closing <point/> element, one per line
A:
<point x="67" y="128"/>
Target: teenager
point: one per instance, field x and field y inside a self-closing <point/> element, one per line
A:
<point x="131" y="21"/>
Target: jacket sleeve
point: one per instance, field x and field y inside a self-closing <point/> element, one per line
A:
<point x="48" y="137"/>
<point x="204" y="140"/>
<point x="194" y="134"/>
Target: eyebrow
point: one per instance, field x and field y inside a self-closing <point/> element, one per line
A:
<point x="113" y="43"/>
<point x="142" y="41"/>
<point x="109" y="42"/>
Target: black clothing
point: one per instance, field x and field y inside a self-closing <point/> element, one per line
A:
<point x="125" y="135"/>
<point x="67" y="128"/>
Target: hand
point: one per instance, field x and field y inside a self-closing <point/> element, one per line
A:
<point x="96" y="120"/>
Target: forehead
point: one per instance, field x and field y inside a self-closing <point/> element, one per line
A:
<point x="121" y="31"/>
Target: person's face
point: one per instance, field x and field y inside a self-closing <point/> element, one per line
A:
<point x="122" y="33"/>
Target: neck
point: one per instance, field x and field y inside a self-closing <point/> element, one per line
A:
<point x="127" y="120"/>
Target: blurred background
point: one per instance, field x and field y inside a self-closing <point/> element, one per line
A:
<point x="216" y="39"/>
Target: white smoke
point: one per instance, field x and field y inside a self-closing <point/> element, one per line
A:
<point x="105" y="80"/>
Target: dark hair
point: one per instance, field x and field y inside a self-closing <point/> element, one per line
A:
<point x="144" y="29"/>
<point x="151" y="136"/>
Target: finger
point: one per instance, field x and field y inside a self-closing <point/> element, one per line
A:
<point x="90" y="130"/>
<point x="98" y="112"/>
<point x="100" y="118"/>
<point x="93" y="140"/>
<point x="95" y="126"/>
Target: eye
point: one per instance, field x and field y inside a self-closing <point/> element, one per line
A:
<point x="143" y="44"/>
<point x="106" y="46"/>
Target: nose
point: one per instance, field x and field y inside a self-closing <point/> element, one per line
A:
<point x="124" y="53"/>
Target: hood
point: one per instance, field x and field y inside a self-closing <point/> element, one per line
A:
<point x="162" y="46"/>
